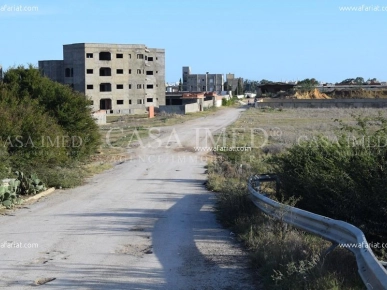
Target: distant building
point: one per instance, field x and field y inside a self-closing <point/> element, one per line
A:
<point x="233" y="82"/>
<point x="118" y="78"/>
<point x="202" y="82"/>
<point x="171" y="87"/>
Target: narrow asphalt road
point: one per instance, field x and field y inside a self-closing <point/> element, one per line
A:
<point x="148" y="223"/>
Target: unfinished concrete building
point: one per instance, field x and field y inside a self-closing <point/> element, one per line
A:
<point x="118" y="78"/>
<point x="202" y="82"/>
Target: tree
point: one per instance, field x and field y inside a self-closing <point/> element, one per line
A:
<point x="373" y="81"/>
<point x="346" y="82"/>
<point x="180" y="85"/>
<point x="307" y="84"/>
<point x="352" y="81"/>
<point x="227" y="87"/>
<point x="250" y="85"/>
<point x="359" y="81"/>
<point x="264" y="82"/>
<point x="239" y="88"/>
<point x="312" y="82"/>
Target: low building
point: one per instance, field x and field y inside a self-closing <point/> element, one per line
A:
<point x="274" y="88"/>
<point x="190" y="102"/>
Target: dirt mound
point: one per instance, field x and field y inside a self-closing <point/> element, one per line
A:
<point x="314" y="94"/>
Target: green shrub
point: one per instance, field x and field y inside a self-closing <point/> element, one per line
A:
<point x="284" y="258"/>
<point x="68" y="176"/>
<point x="44" y="126"/>
<point x="344" y="179"/>
<point x="69" y="109"/>
<point x="229" y="102"/>
<point x="24" y="133"/>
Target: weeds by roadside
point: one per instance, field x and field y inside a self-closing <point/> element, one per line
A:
<point x="283" y="257"/>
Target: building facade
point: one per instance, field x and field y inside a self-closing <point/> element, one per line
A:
<point x="202" y="82"/>
<point x="232" y="82"/>
<point x="117" y="78"/>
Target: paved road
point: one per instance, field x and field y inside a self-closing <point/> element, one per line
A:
<point x="146" y="224"/>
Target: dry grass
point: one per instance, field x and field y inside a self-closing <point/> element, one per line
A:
<point x="285" y="258"/>
<point x="287" y="127"/>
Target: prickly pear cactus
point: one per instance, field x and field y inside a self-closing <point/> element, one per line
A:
<point x="22" y="185"/>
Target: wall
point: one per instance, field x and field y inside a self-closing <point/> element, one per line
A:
<point x="337" y="103"/>
<point x="176" y="109"/>
<point x="186" y="73"/>
<point x="208" y="104"/>
<point x="125" y="111"/>
<point x="192" y="108"/>
<point x="218" y="103"/>
<point x="53" y="69"/>
<point x="74" y="59"/>
<point x="100" y="117"/>
<point x="185" y="109"/>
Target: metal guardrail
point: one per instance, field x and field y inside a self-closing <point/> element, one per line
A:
<point x="372" y="272"/>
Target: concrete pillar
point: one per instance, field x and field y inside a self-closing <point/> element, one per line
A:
<point x="151" y="112"/>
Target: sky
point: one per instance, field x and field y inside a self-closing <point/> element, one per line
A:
<point x="253" y="39"/>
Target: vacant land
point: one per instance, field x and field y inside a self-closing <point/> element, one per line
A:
<point x="286" y="258"/>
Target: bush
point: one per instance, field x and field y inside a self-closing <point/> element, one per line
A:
<point x="281" y="256"/>
<point x="44" y="126"/>
<point x="68" y="108"/>
<point x="229" y="102"/>
<point x="25" y="132"/>
<point x="344" y="179"/>
<point x="284" y="258"/>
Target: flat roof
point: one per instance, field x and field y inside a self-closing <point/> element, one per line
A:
<point x="115" y="45"/>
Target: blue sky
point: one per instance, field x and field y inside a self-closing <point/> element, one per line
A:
<point x="274" y="40"/>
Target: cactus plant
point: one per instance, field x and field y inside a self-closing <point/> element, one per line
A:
<point x="29" y="185"/>
<point x="7" y="203"/>
<point x="22" y="185"/>
<point x="3" y="190"/>
<point x="8" y="196"/>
